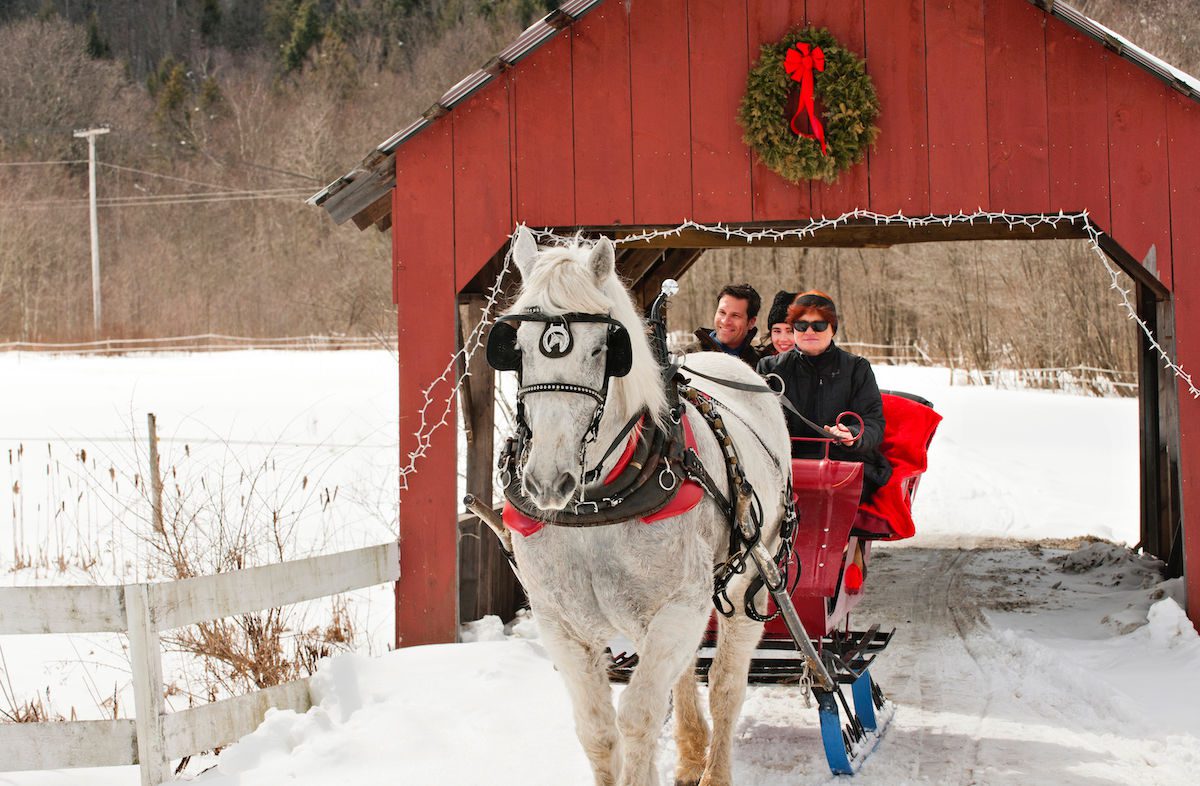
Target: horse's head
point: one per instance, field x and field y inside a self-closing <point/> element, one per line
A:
<point x="581" y="350"/>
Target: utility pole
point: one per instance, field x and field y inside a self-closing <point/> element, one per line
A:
<point x="91" y="134"/>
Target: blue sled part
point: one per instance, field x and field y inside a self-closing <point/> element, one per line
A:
<point x="848" y="746"/>
<point x="864" y="701"/>
<point x="831" y="734"/>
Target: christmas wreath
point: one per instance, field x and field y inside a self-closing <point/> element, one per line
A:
<point x="809" y="109"/>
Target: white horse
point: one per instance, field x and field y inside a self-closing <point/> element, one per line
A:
<point x="651" y="583"/>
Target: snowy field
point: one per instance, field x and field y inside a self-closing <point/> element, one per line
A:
<point x="1013" y="663"/>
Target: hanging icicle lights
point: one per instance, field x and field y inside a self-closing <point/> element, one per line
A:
<point x="428" y="425"/>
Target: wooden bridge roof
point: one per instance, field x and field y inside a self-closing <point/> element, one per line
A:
<point x="363" y="193"/>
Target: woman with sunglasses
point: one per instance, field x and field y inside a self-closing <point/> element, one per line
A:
<point x="822" y="380"/>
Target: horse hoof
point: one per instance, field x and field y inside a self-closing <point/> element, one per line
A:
<point x="679" y="782"/>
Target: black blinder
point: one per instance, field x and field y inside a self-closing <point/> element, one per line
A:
<point x="503" y="354"/>
<point x="620" y="353"/>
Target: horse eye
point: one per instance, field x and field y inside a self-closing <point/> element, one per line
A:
<point x="596" y="351"/>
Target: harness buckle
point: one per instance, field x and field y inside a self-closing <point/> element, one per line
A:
<point x="581" y="507"/>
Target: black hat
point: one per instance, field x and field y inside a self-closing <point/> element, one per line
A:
<point x="779" y="307"/>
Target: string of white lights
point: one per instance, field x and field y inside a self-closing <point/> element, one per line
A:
<point x="427" y="427"/>
<point x="423" y="435"/>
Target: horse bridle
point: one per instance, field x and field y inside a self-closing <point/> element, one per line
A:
<point x="556" y="341"/>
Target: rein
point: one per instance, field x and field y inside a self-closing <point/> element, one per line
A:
<point x="783" y="400"/>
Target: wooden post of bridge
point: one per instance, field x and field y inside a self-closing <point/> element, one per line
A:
<point x="486" y="583"/>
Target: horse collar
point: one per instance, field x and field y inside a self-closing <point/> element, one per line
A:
<point x="647" y="483"/>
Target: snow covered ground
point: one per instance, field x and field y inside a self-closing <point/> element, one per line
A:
<point x="1013" y="662"/>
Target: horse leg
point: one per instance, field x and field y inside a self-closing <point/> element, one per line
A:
<point x="664" y="652"/>
<point x="584" y="669"/>
<point x="691" y="730"/>
<point x="726" y="690"/>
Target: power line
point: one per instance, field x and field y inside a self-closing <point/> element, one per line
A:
<point x="43" y="163"/>
<point x="286" y="195"/>
<point x="167" y="177"/>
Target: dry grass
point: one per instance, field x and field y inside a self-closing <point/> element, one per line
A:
<point x="216" y="518"/>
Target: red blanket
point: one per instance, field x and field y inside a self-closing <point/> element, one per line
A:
<point x="908" y="429"/>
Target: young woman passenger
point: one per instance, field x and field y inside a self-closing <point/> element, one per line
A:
<point x="780" y="338"/>
<point x="822" y="380"/>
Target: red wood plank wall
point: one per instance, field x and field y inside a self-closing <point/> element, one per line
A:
<point x="423" y="261"/>
<point x="545" y="153"/>
<point x="717" y="57"/>
<point x="1077" y="98"/>
<point x="1018" y="164"/>
<point x="482" y="177"/>
<point x="899" y="176"/>
<point x="1137" y="157"/>
<point x="662" y="150"/>
<point x="603" y="117"/>
<point x="958" y="171"/>
<point x="629" y="117"/>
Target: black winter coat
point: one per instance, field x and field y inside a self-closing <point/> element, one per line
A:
<point x="821" y="388"/>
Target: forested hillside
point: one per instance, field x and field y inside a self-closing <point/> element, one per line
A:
<point x="226" y="113"/>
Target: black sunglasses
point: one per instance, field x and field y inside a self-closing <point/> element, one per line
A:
<point x="801" y="326"/>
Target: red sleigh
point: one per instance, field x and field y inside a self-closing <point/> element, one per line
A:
<point x="833" y="526"/>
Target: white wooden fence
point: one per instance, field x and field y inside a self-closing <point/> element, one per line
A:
<point x="205" y="342"/>
<point x="155" y="737"/>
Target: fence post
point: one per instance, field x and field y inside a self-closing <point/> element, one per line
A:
<point x="146" y="659"/>
<point x="156" y="486"/>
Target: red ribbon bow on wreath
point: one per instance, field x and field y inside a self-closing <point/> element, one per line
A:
<point x="799" y="63"/>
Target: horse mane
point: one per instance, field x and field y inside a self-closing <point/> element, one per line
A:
<point x="562" y="281"/>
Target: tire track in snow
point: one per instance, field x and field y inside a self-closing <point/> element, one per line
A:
<point x="922" y="592"/>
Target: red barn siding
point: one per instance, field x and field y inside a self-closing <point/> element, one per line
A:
<point x="482" y="178"/>
<point x="423" y="260"/>
<point x="1075" y="91"/>
<point x="958" y="171"/>
<point x="1137" y="155"/>
<point x="900" y="161"/>
<point x="1183" y="131"/>
<point x="662" y="166"/>
<point x="717" y="56"/>
<point x="845" y="19"/>
<point x="774" y="197"/>
<point x="1019" y="176"/>
<point x="603" y="117"/>
<point x="545" y="152"/>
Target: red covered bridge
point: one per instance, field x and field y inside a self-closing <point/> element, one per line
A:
<point x="610" y="115"/>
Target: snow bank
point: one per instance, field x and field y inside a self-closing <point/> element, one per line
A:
<point x="452" y="715"/>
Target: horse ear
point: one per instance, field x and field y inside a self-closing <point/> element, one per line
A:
<point x="524" y="249"/>
<point x="603" y="260"/>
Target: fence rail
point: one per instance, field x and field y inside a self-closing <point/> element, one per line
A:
<point x="205" y="342"/>
<point x="156" y="736"/>
<point x="1082" y="378"/>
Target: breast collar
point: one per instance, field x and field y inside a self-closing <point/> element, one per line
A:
<point x="647" y="483"/>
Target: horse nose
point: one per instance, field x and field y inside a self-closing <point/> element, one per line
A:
<point x="564" y="487"/>
<point x="552" y="494"/>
